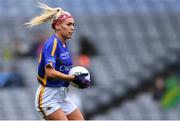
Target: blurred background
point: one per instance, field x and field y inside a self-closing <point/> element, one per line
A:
<point x="130" y="47"/>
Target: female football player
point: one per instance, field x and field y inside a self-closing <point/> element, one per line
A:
<point x="52" y="100"/>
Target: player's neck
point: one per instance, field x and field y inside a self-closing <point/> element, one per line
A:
<point x="61" y="38"/>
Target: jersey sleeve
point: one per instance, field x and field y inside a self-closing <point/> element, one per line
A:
<point x="50" y="54"/>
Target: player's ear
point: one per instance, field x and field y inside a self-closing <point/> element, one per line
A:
<point x="58" y="26"/>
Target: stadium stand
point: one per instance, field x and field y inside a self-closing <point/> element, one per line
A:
<point x="136" y="41"/>
<point x="140" y="108"/>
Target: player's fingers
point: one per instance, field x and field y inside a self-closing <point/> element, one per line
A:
<point x="84" y="74"/>
<point x="87" y="82"/>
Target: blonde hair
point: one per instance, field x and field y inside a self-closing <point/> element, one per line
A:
<point x="48" y="14"/>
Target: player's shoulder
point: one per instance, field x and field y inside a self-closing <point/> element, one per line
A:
<point x="50" y="41"/>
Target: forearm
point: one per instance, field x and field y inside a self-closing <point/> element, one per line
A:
<point x="52" y="73"/>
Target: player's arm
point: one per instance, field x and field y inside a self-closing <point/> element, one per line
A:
<point x="52" y="73"/>
<point x="50" y="53"/>
<point x="77" y="79"/>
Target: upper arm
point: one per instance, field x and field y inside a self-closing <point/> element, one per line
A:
<point x="49" y="70"/>
<point x="50" y="54"/>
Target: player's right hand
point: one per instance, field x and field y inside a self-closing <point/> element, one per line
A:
<point x="81" y="81"/>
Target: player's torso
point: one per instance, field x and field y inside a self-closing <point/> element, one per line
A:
<point x="63" y="60"/>
<point x="63" y="63"/>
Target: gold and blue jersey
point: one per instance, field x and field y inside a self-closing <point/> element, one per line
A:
<point x="58" y="57"/>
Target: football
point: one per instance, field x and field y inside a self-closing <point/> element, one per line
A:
<point x="78" y="70"/>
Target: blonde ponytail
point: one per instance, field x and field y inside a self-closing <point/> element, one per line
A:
<point x="48" y="14"/>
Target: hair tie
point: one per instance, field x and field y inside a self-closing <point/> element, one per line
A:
<point x="58" y="10"/>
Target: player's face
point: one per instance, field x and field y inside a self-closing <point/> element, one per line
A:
<point x="66" y="28"/>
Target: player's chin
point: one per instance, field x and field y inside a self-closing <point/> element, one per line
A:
<point x="69" y="37"/>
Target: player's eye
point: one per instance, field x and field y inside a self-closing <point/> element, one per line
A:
<point x="70" y="24"/>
